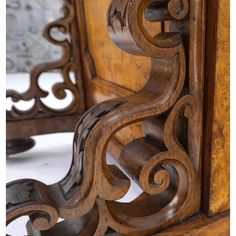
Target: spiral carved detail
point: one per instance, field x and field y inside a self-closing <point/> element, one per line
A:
<point x="163" y="167"/>
<point x="31" y="194"/>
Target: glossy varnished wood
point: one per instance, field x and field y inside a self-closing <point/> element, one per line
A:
<point x="148" y="94"/>
<point x="165" y="160"/>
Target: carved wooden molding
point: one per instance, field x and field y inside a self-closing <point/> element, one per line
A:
<point x="68" y="63"/>
<point x="166" y="163"/>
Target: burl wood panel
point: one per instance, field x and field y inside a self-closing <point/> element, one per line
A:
<point x="133" y="72"/>
<point x="216" y="195"/>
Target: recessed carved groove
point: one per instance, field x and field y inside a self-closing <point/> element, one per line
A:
<point x="65" y="65"/>
<point x="165" y="162"/>
<point x="86" y="124"/>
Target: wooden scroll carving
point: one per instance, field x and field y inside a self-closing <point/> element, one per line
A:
<point x="165" y="163"/>
<point x="68" y="63"/>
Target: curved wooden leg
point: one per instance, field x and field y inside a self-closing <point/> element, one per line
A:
<point x="15" y="146"/>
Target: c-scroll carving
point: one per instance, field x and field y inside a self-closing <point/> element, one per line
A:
<point x="66" y="64"/>
<point x="166" y="169"/>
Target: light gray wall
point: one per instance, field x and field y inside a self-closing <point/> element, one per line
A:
<point x="25" y="22"/>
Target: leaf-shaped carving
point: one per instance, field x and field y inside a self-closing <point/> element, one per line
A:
<point x="166" y="170"/>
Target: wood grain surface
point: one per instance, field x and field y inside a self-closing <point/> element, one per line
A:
<point x="157" y="71"/>
<point x="216" y="172"/>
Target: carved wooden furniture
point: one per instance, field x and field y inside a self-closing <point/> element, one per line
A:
<point x="165" y="160"/>
<point x="41" y="118"/>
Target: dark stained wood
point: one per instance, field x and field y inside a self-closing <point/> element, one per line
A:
<point x="19" y="145"/>
<point x="211" y="34"/>
<point x="104" y="76"/>
<point x="165" y="162"/>
<point x="69" y="62"/>
<point x="26" y="128"/>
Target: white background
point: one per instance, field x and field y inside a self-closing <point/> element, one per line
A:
<point x="50" y="159"/>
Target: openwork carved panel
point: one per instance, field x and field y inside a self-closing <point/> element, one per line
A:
<point x="165" y="163"/>
<point x="68" y="64"/>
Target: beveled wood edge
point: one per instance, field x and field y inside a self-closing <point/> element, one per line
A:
<point x="211" y="31"/>
<point x="214" y="199"/>
<point x="112" y="87"/>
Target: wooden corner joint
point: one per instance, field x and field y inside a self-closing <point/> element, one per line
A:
<point x="165" y="163"/>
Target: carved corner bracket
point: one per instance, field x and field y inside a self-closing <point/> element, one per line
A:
<point x="67" y="63"/>
<point x="165" y="163"/>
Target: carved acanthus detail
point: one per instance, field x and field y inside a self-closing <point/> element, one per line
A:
<point x="86" y="124"/>
<point x="167" y="165"/>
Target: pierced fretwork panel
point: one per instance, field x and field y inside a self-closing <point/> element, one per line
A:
<point x="63" y="34"/>
<point x="165" y="163"/>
